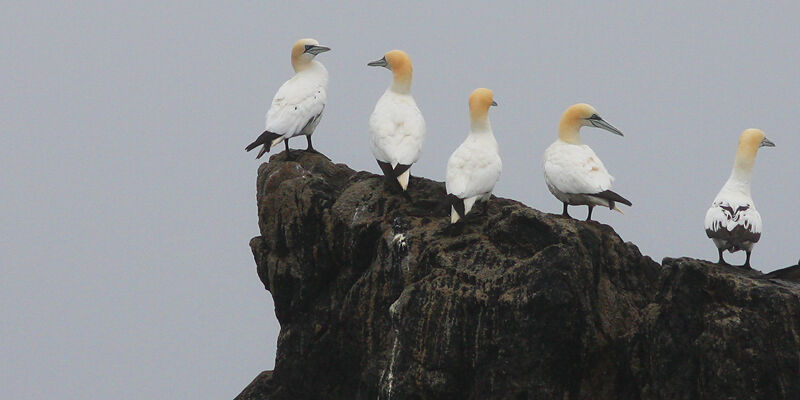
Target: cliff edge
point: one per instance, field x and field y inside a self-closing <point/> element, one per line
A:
<point x="379" y="297"/>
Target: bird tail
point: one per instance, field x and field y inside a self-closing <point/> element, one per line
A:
<point x="618" y="210"/>
<point x="612" y="197"/>
<point x="454" y="217"/>
<point x="456" y="208"/>
<point x="402" y="173"/>
<point x="267" y="138"/>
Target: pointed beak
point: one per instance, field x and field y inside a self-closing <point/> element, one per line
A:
<point x="494" y="103"/>
<point x="598" y="122"/>
<point x="378" y="63"/>
<point x="317" y="49"/>
<point x="767" y="143"/>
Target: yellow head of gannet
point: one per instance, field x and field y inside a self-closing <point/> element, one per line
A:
<point x="304" y="51"/>
<point x="399" y="63"/>
<point x="577" y="116"/>
<point x="479" y="102"/>
<point x="749" y="143"/>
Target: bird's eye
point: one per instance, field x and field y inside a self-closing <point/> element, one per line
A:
<point x="595" y="117"/>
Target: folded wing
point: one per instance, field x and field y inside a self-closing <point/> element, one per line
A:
<point x="576" y="170"/>
<point x="397" y="130"/>
<point x="733" y="222"/>
<point x="296" y="104"/>
<point x="471" y="173"/>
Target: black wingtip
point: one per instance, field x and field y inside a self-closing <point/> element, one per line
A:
<point x="251" y="146"/>
<point x="613" y="196"/>
<point x="457" y="204"/>
<point x="266" y="139"/>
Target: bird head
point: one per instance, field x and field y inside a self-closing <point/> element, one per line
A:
<point x="579" y="115"/>
<point x="304" y="50"/>
<point x="399" y="63"/>
<point x="749" y="142"/>
<point x="479" y="102"/>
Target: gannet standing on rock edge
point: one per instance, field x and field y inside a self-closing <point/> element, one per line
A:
<point x="474" y="168"/>
<point x="396" y="126"/>
<point x="573" y="173"/>
<point x="297" y="106"/>
<point x="732" y="222"/>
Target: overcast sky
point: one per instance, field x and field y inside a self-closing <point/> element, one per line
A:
<point x="127" y="201"/>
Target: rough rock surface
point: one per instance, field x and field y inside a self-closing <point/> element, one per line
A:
<point x="379" y="297"/>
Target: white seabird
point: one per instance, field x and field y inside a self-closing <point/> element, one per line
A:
<point x="732" y="222"/>
<point x="474" y="168"/>
<point x="297" y="106"/>
<point x="572" y="171"/>
<point x="396" y="126"/>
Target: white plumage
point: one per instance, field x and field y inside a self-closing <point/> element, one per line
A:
<point x="297" y="107"/>
<point x="572" y="171"/>
<point x="397" y="129"/>
<point x="732" y="222"/>
<point x="396" y="126"/>
<point x="475" y="166"/>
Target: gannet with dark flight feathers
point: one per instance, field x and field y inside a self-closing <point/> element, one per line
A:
<point x="396" y="126"/>
<point x="474" y="168"/>
<point x="297" y="106"/>
<point x="732" y="222"/>
<point x="572" y="171"/>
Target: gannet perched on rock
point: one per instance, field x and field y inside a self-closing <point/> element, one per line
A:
<point x="732" y="222"/>
<point x="297" y="106"/>
<point x="474" y="168"/>
<point x="396" y="126"/>
<point x="573" y="173"/>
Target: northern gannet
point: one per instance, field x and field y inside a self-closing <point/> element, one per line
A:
<point x="732" y="222"/>
<point x="396" y="126"/>
<point x="573" y="173"/>
<point x="474" y="168"/>
<point x="297" y="106"/>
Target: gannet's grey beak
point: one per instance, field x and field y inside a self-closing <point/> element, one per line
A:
<point x="598" y="122"/>
<point x="767" y="143"/>
<point x="316" y="49"/>
<point x="378" y="63"/>
<point x="494" y="103"/>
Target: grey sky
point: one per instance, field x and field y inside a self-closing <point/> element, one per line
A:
<point x="127" y="200"/>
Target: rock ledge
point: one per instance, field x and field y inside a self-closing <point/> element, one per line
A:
<point x="381" y="298"/>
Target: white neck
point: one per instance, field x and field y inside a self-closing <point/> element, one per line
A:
<point x="400" y="86"/>
<point x="480" y="125"/>
<point x="311" y="66"/>
<point x="741" y="176"/>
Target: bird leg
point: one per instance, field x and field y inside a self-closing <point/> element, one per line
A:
<point x="589" y="217"/>
<point x="310" y="148"/>
<point x="289" y="156"/>
<point x="721" y="260"/>
<point x="565" y="213"/>
<point x="747" y="261"/>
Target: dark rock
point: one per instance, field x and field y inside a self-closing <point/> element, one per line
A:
<point x="379" y="297"/>
<point x="260" y="388"/>
<point x="791" y="274"/>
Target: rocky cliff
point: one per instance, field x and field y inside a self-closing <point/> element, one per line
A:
<point x="379" y="297"/>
